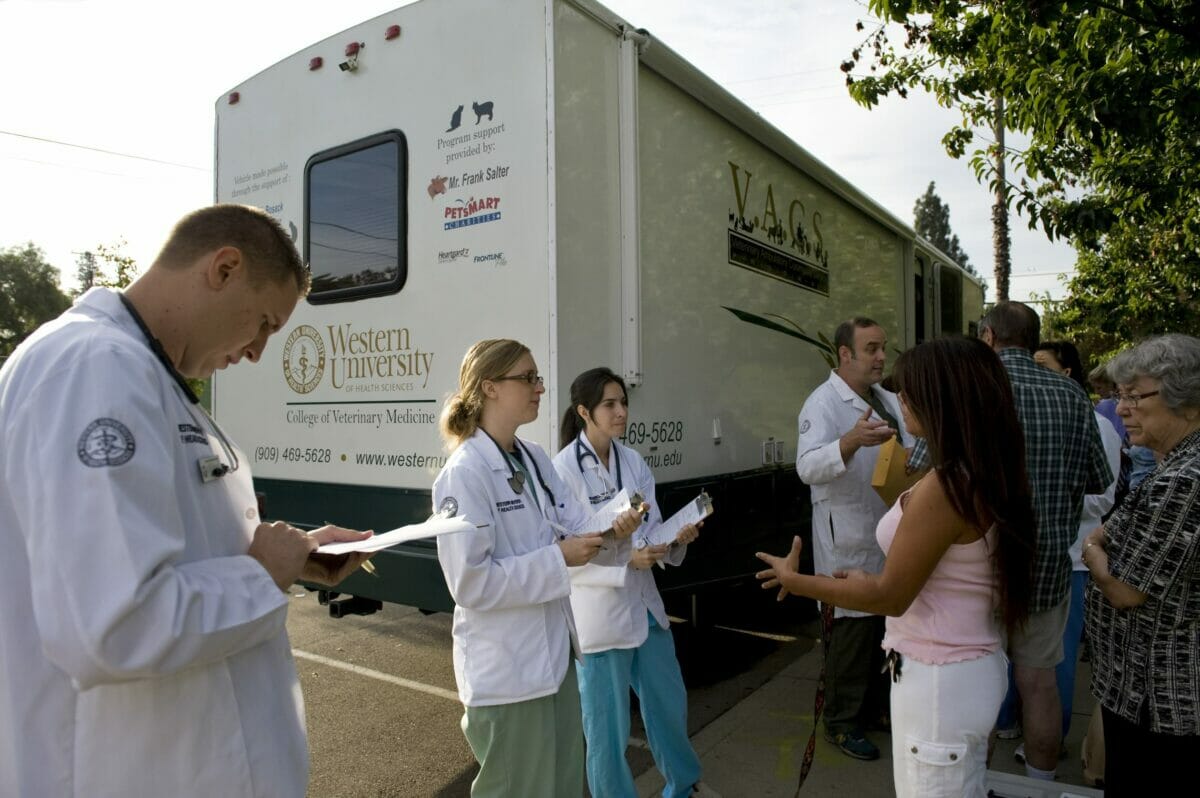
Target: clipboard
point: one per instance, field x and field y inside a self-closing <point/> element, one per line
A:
<point x="693" y="512"/>
<point x="891" y="477"/>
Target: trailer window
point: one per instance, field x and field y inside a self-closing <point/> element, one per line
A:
<point x="919" y="298"/>
<point x="355" y="219"/>
<point x="951" y="290"/>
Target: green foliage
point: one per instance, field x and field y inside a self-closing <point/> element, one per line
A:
<point x="108" y="266"/>
<point x="29" y="295"/>
<point x="822" y="344"/>
<point x="931" y="219"/>
<point x="1142" y="282"/>
<point x="1108" y="94"/>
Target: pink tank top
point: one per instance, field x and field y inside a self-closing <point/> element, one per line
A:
<point x="953" y="618"/>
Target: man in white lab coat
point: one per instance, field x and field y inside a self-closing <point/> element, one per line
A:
<point x="842" y="424"/>
<point x="142" y="643"/>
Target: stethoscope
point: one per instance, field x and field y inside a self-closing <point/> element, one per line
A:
<point x="208" y="469"/>
<point x="582" y="453"/>
<point x="516" y="479"/>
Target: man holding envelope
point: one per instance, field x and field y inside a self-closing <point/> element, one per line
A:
<point x="842" y="426"/>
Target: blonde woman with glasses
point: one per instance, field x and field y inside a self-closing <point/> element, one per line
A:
<point x="514" y="634"/>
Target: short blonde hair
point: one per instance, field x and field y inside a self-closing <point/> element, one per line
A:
<point x="486" y="360"/>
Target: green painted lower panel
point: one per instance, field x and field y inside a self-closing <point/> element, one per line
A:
<point x="758" y="510"/>
<point x="406" y="574"/>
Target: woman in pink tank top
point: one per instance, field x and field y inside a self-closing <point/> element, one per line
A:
<point x="959" y="566"/>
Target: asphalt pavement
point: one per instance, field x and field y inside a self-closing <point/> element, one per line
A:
<point x="383" y="715"/>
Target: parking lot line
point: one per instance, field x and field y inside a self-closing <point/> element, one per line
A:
<point x="383" y="677"/>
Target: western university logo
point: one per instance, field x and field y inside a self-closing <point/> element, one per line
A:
<point x="303" y="359"/>
<point x="105" y="442"/>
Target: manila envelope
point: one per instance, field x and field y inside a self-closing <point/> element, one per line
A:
<point x="890" y="478"/>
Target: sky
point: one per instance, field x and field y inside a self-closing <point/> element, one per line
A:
<point x="107" y="111"/>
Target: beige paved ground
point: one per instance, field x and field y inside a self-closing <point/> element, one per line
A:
<point x="755" y="749"/>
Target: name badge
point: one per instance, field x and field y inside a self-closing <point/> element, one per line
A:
<point x="211" y="468"/>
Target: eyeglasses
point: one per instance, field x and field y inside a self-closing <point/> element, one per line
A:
<point x="532" y="378"/>
<point x="1132" y="399"/>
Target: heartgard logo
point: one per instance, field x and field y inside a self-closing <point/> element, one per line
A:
<point x="465" y="213"/>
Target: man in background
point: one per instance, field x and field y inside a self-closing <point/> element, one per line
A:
<point x="842" y="424"/>
<point x="1065" y="460"/>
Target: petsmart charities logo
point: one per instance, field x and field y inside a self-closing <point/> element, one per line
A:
<point x="464" y="213"/>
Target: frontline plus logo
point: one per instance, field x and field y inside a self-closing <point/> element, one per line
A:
<point x="303" y="359"/>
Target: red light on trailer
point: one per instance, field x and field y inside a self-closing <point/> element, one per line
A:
<point x="315" y="63"/>
<point x="393" y="32"/>
<point x="352" y="49"/>
<point x="234" y="97"/>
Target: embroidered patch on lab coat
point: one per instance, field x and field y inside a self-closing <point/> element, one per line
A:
<point x="805" y="426"/>
<point x="105" y="442"/>
<point x="449" y="507"/>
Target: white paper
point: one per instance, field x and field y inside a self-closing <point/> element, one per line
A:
<point x="426" y="529"/>
<point x="693" y="512"/>
<point x="603" y="518"/>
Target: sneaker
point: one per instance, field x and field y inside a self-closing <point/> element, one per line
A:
<point x="1011" y="733"/>
<point x="853" y="743"/>
<point x="702" y="790"/>
<point x="1019" y="754"/>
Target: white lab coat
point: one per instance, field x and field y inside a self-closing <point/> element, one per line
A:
<point x="142" y="651"/>
<point x="610" y="602"/>
<point x="513" y="629"/>
<point x="846" y="509"/>
<point x="1095" y="505"/>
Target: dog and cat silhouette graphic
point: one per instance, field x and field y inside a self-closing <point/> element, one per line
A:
<point x="481" y="110"/>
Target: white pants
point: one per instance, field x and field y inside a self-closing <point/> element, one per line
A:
<point x="941" y="718"/>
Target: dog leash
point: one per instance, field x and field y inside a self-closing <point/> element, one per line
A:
<point x="819" y="700"/>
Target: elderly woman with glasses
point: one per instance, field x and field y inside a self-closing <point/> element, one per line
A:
<point x="1143" y="606"/>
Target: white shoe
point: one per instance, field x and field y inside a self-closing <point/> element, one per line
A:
<point x="702" y="790"/>
<point x="1019" y="754"/>
<point x="1011" y="733"/>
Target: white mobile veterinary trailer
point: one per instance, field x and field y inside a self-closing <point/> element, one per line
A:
<point x="541" y="170"/>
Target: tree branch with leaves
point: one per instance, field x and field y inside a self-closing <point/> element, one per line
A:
<point x="1108" y="95"/>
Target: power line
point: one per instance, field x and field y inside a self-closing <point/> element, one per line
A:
<point x="106" y="152"/>
<point x="77" y="168"/>
<point x="831" y="68"/>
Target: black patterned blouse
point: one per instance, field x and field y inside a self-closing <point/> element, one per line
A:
<point x="1146" y="659"/>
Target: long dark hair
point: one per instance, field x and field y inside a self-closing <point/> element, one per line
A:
<point x="959" y="392"/>
<point x="1068" y="357"/>
<point x="587" y="390"/>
